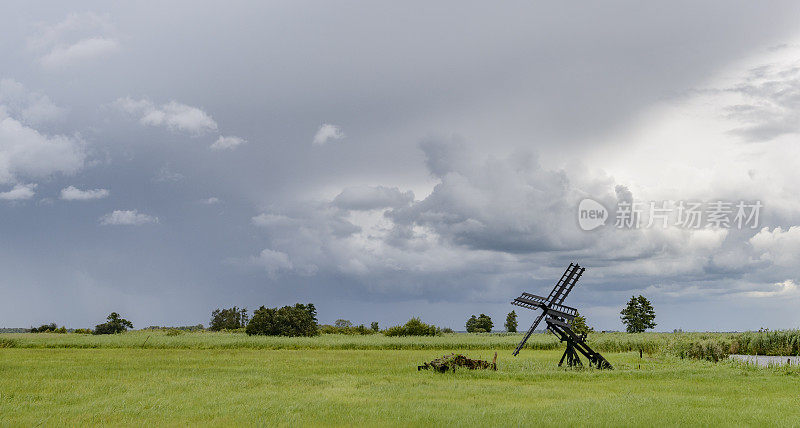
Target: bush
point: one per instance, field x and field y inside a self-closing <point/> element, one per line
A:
<point x="198" y="327"/>
<point x="114" y="325"/>
<point x="83" y="331"/>
<point x="414" y="327"/>
<point x="333" y="329"/>
<point x="297" y="320"/>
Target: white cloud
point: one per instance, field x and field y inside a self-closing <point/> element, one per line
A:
<point x="172" y="115"/>
<point x="80" y="51"/>
<point x="24" y="152"/>
<point x="224" y="143"/>
<point x="211" y="201"/>
<point x="30" y="107"/>
<point x="327" y="132"/>
<point x="76" y="39"/>
<point x="781" y="247"/>
<point x="272" y="261"/>
<point x="778" y="289"/>
<point x="19" y="192"/>
<point x="127" y="218"/>
<point x="72" y="193"/>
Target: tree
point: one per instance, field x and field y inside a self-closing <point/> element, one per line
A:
<point x="638" y="315"/>
<point x="340" y="323"/>
<point x="579" y="326"/>
<point x="44" y="328"/>
<point x="511" y="322"/>
<point x="472" y="324"/>
<point x="297" y="320"/>
<point x="114" y="325"/>
<point x="480" y="324"/>
<point x="228" y="319"/>
<point x="374" y="326"/>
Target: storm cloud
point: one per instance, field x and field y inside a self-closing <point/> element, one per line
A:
<point x="383" y="162"/>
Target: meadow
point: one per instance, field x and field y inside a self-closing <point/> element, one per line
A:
<point x="158" y="377"/>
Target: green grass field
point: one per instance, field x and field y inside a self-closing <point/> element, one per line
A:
<point x="228" y="378"/>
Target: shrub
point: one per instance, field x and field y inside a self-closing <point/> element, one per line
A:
<point x="374" y="326"/>
<point x="333" y="329"/>
<point x="414" y="327"/>
<point x="198" y="327"/>
<point x="114" y="325"/>
<point x="447" y="330"/>
<point x="297" y="320"/>
<point x="83" y="331"/>
<point x="174" y="332"/>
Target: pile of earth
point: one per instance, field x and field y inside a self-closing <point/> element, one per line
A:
<point x="451" y="361"/>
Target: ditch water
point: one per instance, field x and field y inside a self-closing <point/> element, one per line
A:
<point x="767" y="360"/>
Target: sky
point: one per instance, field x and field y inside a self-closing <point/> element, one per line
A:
<point x="384" y="160"/>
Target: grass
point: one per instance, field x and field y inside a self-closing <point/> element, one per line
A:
<point x="232" y="379"/>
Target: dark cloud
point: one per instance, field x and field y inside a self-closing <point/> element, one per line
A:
<point x="772" y="102"/>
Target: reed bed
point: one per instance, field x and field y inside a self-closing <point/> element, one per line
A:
<point x="710" y="346"/>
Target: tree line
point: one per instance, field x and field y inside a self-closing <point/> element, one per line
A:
<point x="301" y="320"/>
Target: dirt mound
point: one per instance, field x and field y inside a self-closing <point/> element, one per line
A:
<point x="451" y="361"/>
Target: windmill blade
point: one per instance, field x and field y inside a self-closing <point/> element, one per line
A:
<point x="529" y="333"/>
